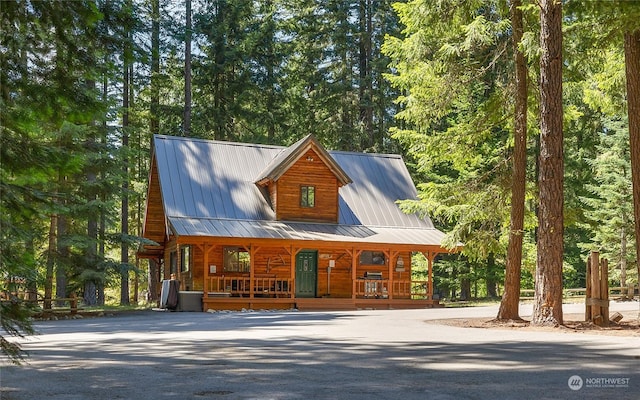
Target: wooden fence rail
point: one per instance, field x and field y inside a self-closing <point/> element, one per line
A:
<point x="528" y="294"/>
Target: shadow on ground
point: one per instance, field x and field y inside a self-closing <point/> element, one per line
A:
<point x="177" y="357"/>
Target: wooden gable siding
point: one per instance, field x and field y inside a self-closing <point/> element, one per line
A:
<point x="307" y="173"/>
<point x="154" y="223"/>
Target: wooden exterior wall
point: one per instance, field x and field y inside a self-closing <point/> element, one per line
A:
<point x="275" y="262"/>
<point x="154" y="224"/>
<point x="191" y="277"/>
<point x="309" y="173"/>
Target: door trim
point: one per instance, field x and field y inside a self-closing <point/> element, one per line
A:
<point x="298" y="280"/>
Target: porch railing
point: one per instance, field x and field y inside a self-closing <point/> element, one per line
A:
<point x="379" y="288"/>
<point x="279" y="287"/>
<point x="241" y="286"/>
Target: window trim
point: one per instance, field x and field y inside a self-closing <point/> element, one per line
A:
<point x="173" y="262"/>
<point x="232" y="254"/>
<point x="304" y="196"/>
<point x="185" y="258"/>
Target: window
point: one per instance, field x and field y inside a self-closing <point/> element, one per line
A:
<point x="307" y="196"/>
<point x="372" y="258"/>
<point x="185" y="258"/>
<point x="173" y="262"/>
<point x="236" y="260"/>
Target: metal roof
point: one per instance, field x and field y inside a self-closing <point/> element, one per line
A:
<point x="208" y="189"/>
<point x="304" y="231"/>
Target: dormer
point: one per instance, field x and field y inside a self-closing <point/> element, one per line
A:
<point x="303" y="182"/>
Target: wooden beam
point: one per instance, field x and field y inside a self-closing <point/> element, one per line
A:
<point x="430" y="256"/>
<point x="355" y="255"/>
<point x="587" y="311"/>
<point x="205" y="251"/>
<point x="252" y="268"/>
<point x="604" y="291"/>
<point x="595" y="285"/>
<point x="391" y="257"/>
<point x="293" y="252"/>
<point x="311" y="244"/>
<point x="178" y="263"/>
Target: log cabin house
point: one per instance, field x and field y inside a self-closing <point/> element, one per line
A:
<point x="258" y="226"/>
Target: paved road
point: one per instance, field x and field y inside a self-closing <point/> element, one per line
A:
<point x="322" y="355"/>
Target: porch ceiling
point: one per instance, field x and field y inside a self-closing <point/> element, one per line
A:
<point x="226" y="228"/>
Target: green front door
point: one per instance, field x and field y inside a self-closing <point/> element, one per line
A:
<point x="306" y="273"/>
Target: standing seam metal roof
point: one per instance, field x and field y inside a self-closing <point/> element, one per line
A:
<point x="208" y="189"/>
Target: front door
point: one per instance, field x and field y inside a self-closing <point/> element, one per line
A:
<point x="306" y="273"/>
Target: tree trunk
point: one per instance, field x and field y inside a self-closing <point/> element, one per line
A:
<point x="186" y="124"/>
<point x="91" y="252"/>
<point x="102" y="227"/>
<point x="154" y="122"/>
<point x="32" y="278"/>
<point x="547" y="308"/>
<point x="90" y="295"/>
<point x="51" y="260"/>
<point x="509" y="306"/>
<point x="632" y="69"/>
<point x="465" y="281"/>
<point x="62" y="258"/>
<point x="154" y="280"/>
<point x="366" y="102"/>
<point x="490" y="279"/>
<point x="270" y="64"/>
<point x="623" y="253"/>
<point x="124" y="210"/>
<point x="465" y="289"/>
<point x="219" y="80"/>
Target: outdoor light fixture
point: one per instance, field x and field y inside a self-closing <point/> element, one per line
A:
<point x="400" y="264"/>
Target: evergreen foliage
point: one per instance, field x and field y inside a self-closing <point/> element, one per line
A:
<point x="430" y="79"/>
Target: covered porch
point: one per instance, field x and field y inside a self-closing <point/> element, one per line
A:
<point x="232" y="275"/>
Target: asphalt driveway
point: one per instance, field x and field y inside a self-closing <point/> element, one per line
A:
<point x="321" y="355"/>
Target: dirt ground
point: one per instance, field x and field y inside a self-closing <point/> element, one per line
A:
<point x="573" y="323"/>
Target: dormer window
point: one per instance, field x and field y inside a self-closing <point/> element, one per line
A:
<point x="307" y="196"/>
<point x="285" y="183"/>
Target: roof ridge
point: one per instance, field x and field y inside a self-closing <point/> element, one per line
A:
<point x="271" y="146"/>
<point x="215" y="141"/>
<point x="359" y="153"/>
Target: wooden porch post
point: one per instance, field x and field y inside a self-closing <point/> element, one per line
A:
<point x="392" y="256"/>
<point x="355" y="254"/>
<point x="431" y="257"/>
<point x="252" y="267"/>
<point x="205" y="250"/>
<point x="292" y="273"/>
<point x="179" y="266"/>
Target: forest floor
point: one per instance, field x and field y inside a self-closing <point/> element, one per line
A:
<point x="573" y="322"/>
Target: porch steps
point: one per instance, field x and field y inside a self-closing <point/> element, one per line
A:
<point x="315" y="304"/>
<point x="325" y="304"/>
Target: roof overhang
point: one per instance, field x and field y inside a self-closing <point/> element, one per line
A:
<point x="337" y="234"/>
